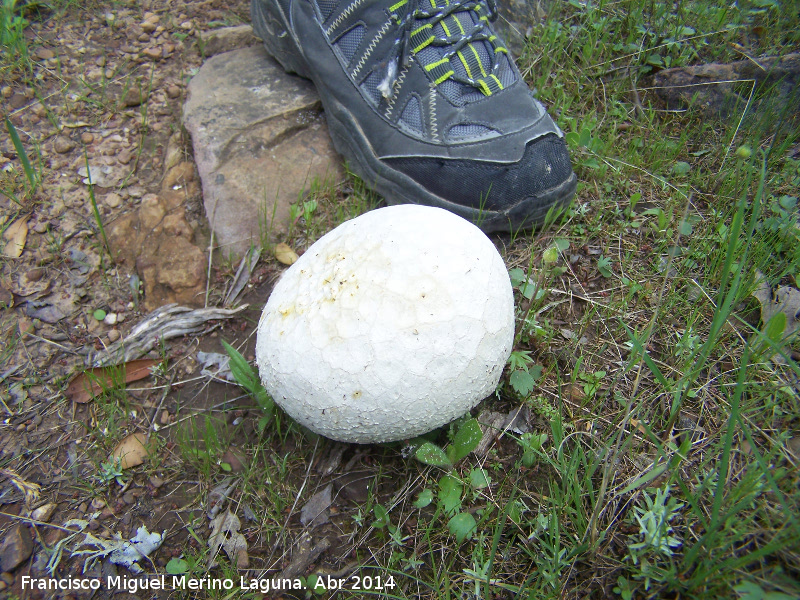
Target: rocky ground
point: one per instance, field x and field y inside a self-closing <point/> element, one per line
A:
<point x="83" y="264"/>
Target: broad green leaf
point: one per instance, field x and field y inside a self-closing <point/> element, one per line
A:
<point x="776" y="326"/>
<point x="573" y="139"/>
<point x="431" y="454"/>
<point x="522" y="382"/>
<point x="424" y="499"/>
<point x="381" y="516"/>
<point x="467" y="439"/>
<point x="462" y="526"/>
<point x="177" y="566"/>
<point x="479" y="479"/>
<point x="450" y="490"/>
<point x="561" y="244"/>
<point x="586" y="137"/>
<point x="681" y="168"/>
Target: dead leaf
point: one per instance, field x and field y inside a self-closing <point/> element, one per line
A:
<point x="94" y="382"/>
<point x="131" y="451"/>
<point x="15" y="237"/>
<point x="285" y="254"/>
<point x="316" y="510"/>
<point x="225" y="534"/>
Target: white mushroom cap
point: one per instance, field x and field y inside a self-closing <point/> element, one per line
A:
<point x="391" y="325"/>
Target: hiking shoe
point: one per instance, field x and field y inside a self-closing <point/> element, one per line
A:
<point x="424" y="102"/>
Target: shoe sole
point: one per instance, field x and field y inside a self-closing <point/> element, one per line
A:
<point x="394" y="186"/>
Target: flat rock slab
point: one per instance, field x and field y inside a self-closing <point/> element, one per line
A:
<point x="259" y="139"/>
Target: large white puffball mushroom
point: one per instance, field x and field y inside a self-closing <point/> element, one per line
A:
<point x="391" y="325"/>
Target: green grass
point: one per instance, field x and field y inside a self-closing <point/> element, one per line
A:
<point x="659" y="463"/>
<point x="658" y="466"/>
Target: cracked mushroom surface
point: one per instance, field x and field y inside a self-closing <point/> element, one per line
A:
<point x="391" y="325"/>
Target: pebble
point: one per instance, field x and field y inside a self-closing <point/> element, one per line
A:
<point x="173" y="91"/>
<point x="152" y="53"/>
<point x="156" y="481"/>
<point x="17" y="547"/>
<point x="34" y="274"/>
<point x="110" y="319"/>
<point x="164" y="417"/>
<point x="113" y="335"/>
<point x="87" y="138"/>
<point x="112" y="200"/>
<point x="98" y="503"/>
<point x="63" y="144"/>
<point x="125" y="156"/>
<point x="17" y="101"/>
<point x="128" y="497"/>
<point x="44" y="53"/>
<point x="133" y="97"/>
<point x="6" y="91"/>
<point x="44" y="513"/>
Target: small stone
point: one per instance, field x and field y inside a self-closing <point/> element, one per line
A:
<point x="125" y="156"/>
<point x="44" y="513"/>
<point x="34" y="274"/>
<point x="41" y="227"/>
<point x="6" y="92"/>
<point x="156" y="481"/>
<point x="17" y="547"/>
<point x="225" y="39"/>
<point x="17" y="101"/>
<point x="98" y="503"/>
<point x="110" y="319"/>
<point x="143" y="37"/>
<point x="112" y="200"/>
<point x="152" y="53"/>
<point x="148" y="27"/>
<point x="113" y="335"/>
<point x="87" y="138"/>
<point x="128" y="497"/>
<point x="44" y="53"/>
<point x="164" y="417"/>
<point x="173" y="91"/>
<point x="180" y="174"/>
<point x="63" y="144"/>
<point x="133" y="97"/>
<point x="94" y="525"/>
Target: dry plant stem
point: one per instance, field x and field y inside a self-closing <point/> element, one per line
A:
<point x="165" y="323"/>
<point x="208" y="273"/>
<point x="35" y="522"/>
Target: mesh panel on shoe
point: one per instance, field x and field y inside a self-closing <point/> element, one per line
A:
<point x="349" y="42"/>
<point x="370" y="86"/>
<point x="411" y="116"/>
<point x="326" y="7"/>
<point x="470" y="130"/>
<point x="492" y="186"/>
